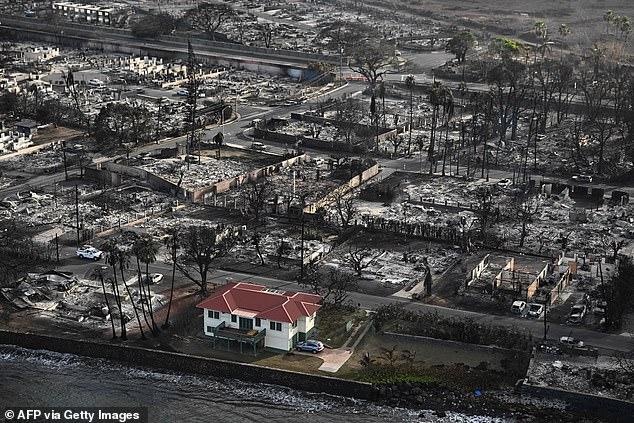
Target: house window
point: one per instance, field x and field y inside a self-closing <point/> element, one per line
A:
<point x="272" y="325"/>
<point x="258" y="322"/>
<point x="209" y="329"/>
<point x="234" y="318"/>
<point x="276" y="326"/>
<point x="213" y="314"/>
<point x="295" y="324"/>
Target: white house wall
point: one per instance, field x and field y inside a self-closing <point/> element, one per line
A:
<point x="281" y="340"/>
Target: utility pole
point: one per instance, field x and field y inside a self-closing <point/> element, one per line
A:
<point x="64" y="156"/>
<point x="301" y="277"/>
<point x="57" y="247"/>
<point x="341" y="65"/>
<point x="192" y="66"/>
<point x="77" y="214"/>
<point x="157" y="136"/>
<point x="546" y="325"/>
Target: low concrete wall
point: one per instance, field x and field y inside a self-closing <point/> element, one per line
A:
<point x="384" y="133"/>
<point x="452" y="344"/>
<point x="608" y="408"/>
<point x="351" y="184"/>
<point x="290" y="140"/>
<point x="190" y="364"/>
<point x="109" y="171"/>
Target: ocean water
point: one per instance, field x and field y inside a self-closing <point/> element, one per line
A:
<point x="47" y="379"/>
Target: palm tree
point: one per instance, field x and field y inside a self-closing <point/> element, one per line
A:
<point x="172" y="245"/>
<point x="439" y="95"/>
<point x="564" y="31"/>
<point x="100" y="275"/>
<point x="124" y="263"/>
<point x="136" y="250"/>
<point x="146" y="253"/>
<point x="541" y="31"/>
<point x="112" y="258"/>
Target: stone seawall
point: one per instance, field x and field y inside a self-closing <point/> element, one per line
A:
<point x="172" y="361"/>
<point x="614" y="410"/>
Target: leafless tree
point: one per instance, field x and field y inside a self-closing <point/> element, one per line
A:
<point x="333" y="285"/>
<point x="349" y="113"/>
<point x="526" y="209"/>
<point x="372" y="59"/>
<point x="360" y="258"/>
<point x="201" y="247"/>
<point x="266" y="31"/>
<point x="208" y="17"/>
<point x="256" y="239"/>
<point x="346" y="207"/>
<point x="613" y="246"/>
<point x="255" y="196"/>
<point x="484" y="210"/>
<point x="396" y="142"/>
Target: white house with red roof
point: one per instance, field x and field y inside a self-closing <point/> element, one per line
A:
<point x="259" y="316"/>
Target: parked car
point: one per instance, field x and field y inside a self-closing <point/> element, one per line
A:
<point x="258" y="146"/>
<point x="577" y="313"/>
<point x="182" y="92"/>
<point x="310" y="346"/>
<point x="535" y="310"/>
<point x="518" y="307"/>
<point x="571" y="342"/>
<point x="582" y="178"/>
<point x="95" y="82"/>
<point x="153" y="278"/>
<point x="89" y="252"/>
<point x="504" y="182"/>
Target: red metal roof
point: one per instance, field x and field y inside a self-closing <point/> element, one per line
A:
<point x="265" y="303"/>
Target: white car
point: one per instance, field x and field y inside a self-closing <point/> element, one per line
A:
<point x="258" y="146"/>
<point x="95" y="82"/>
<point x="89" y="252"/>
<point x="518" y="307"/>
<point x="535" y="310"/>
<point x="582" y="178"/>
<point x="571" y="342"/>
<point x="153" y="278"/>
<point x="182" y="92"/>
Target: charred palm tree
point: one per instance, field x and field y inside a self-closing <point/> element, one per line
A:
<point x="100" y="275"/>
<point x="136" y="250"/>
<point x="172" y="246"/>
<point x="112" y="258"/>
<point x="124" y="263"/>
<point x="146" y="253"/>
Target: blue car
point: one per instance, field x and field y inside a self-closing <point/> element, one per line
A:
<point x="310" y="346"/>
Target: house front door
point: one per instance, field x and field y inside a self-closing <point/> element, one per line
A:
<point x="245" y="323"/>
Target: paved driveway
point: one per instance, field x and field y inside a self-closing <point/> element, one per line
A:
<point x="333" y="359"/>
